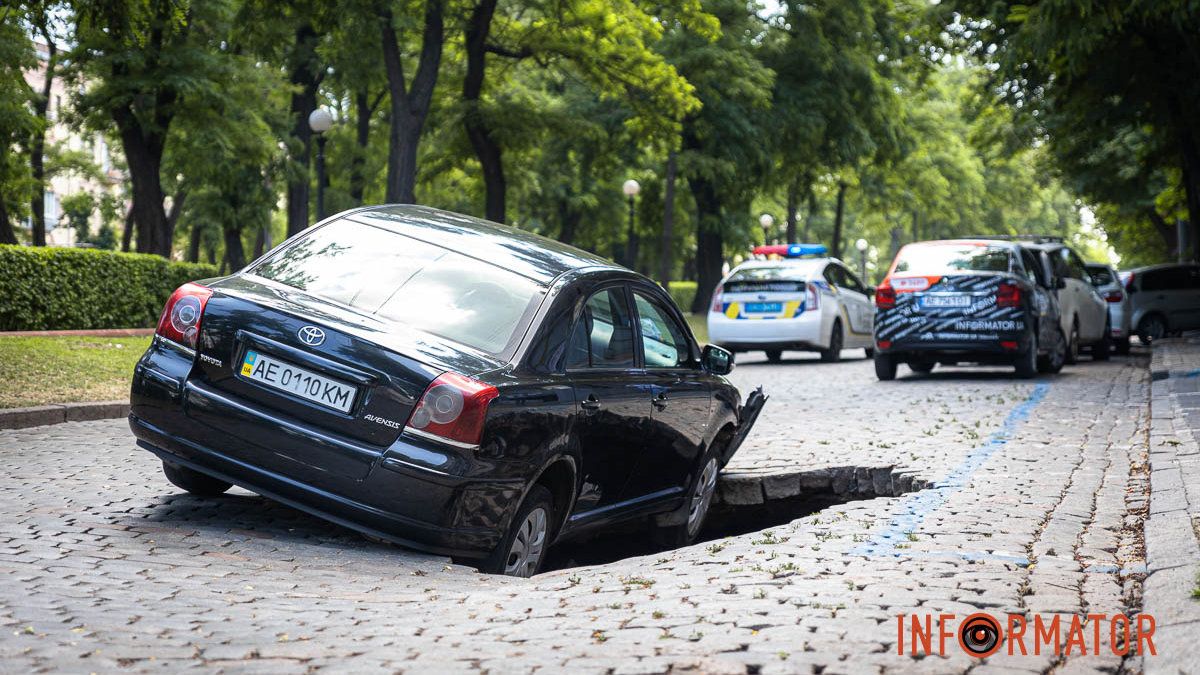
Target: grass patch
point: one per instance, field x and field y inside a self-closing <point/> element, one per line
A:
<point x="699" y="324"/>
<point x="41" y="370"/>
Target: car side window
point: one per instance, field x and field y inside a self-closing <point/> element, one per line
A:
<point x="603" y="334"/>
<point x="664" y="344"/>
<point x="1033" y="270"/>
<point x="851" y="282"/>
<point x="833" y="275"/>
<point x="1074" y="265"/>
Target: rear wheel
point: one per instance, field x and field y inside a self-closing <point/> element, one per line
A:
<point x="523" y="549"/>
<point x="194" y="482"/>
<point x="1027" y="362"/>
<point x="885" y="367"/>
<point x="834" y="353"/>
<point x="1151" y="328"/>
<point x="774" y="355"/>
<point x="1052" y="362"/>
<point x="1103" y="348"/>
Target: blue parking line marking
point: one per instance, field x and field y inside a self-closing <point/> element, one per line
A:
<point x="916" y="506"/>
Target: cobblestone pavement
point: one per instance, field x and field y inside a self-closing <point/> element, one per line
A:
<point x="1034" y="498"/>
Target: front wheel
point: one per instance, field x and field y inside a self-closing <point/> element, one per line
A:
<point x="885" y="367"/>
<point x="774" y="355"/>
<point x="523" y="549"/>
<point x="1073" y="344"/>
<point x="834" y="353"/>
<point x="1151" y="328"/>
<point x="194" y="482"/>
<point x="1102" y="349"/>
<point x="687" y="521"/>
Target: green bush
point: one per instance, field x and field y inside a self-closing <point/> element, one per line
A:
<point x="684" y="292"/>
<point x="45" y="288"/>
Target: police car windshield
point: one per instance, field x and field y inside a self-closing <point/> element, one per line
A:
<point x="951" y="258"/>
<point x="794" y="271"/>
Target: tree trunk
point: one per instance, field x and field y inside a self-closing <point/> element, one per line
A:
<point x="709" y="244"/>
<point x="793" y="205"/>
<point x="569" y="220"/>
<point x="193" y="250"/>
<point x="143" y="154"/>
<point x="916" y="226"/>
<point x="305" y="77"/>
<point x="362" y="128"/>
<point x="667" y="254"/>
<point x="487" y="151"/>
<point x="127" y="233"/>
<point x="410" y="107"/>
<point x="836" y="249"/>
<point x="7" y="235"/>
<point x="235" y="254"/>
<point x="37" y="145"/>
<point x="1169" y="234"/>
<point x="812" y="213"/>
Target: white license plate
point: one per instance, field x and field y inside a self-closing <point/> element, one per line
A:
<point x="297" y="381"/>
<point x="946" y="301"/>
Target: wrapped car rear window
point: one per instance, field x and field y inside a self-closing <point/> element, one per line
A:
<point x="408" y="281"/>
<point x="950" y="258"/>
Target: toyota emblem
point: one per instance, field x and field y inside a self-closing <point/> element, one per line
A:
<point x="311" y="336"/>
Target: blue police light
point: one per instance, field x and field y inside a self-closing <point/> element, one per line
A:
<point x="797" y="250"/>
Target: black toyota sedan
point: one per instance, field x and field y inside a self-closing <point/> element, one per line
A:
<point x="445" y="383"/>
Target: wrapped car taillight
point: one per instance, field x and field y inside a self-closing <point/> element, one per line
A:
<point x="885" y="297"/>
<point x="1008" y="295"/>
<point x="180" y="320"/>
<point x="453" y="408"/>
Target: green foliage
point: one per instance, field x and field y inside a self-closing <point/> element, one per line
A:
<point x="683" y="292"/>
<point x="17" y="120"/>
<point x="63" y="288"/>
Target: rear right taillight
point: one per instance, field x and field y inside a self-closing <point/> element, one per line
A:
<point x="717" y="305"/>
<point x="180" y="320"/>
<point x="1114" y="296"/>
<point x="453" y="408"/>
<point x="885" y="296"/>
<point x="812" y="297"/>
<point x="1008" y="295"/>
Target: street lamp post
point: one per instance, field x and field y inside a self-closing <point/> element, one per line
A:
<point x="631" y="188"/>
<point x="320" y="121"/>
<point x="862" y="246"/>
<point x="766" y="220"/>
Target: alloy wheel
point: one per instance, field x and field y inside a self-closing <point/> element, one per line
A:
<point x="527" y="547"/>
<point x="702" y="496"/>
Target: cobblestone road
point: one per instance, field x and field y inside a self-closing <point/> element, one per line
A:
<point x="1033" y="501"/>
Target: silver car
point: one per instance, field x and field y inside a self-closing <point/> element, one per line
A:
<point x="1108" y="282"/>
<point x="1163" y="299"/>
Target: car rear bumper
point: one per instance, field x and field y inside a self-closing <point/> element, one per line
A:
<point x="801" y="332"/>
<point x="992" y="350"/>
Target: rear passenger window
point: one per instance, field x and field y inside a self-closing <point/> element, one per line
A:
<point x="603" y="335"/>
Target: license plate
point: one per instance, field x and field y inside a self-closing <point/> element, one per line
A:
<point x="281" y="375"/>
<point x="764" y="307"/>
<point x="946" y="301"/>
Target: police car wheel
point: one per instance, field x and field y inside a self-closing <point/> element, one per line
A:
<point x="834" y="353"/>
<point x="885" y="367"/>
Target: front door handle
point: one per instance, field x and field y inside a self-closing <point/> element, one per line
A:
<point x="591" y="403"/>
<point x="660" y="402"/>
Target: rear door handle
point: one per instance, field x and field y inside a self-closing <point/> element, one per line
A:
<point x="591" y="403"/>
<point x="660" y="402"/>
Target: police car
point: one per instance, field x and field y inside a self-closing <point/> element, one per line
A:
<point x="800" y="300"/>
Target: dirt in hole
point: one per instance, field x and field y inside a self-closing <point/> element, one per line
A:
<point x="636" y="538"/>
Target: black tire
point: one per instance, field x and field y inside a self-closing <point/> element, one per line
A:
<point x="1073" y="344"/>
<point x="680" y="528"/>
<point x="774" y="355"/>
<point x="506" y="559"/>
<point x="1053" y="361"/>
<point x="196" y="483"/>
<point x="1102" y="349"/>
<point x="1152" y="327"/>
<point x="885" y="367"/>
<point x="1122" y="346"/>
<point x="870" y="351"/>
<point x="836" y="340"/>
<point x="921" y="367"/>
<point x="1027" y="363"/>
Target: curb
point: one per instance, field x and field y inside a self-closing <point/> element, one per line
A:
<point x="21" y="418"/>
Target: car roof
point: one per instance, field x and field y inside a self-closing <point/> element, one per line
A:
<point x="971" y="241"/>
<point x="531" y="255"/>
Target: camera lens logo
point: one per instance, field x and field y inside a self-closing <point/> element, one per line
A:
<point x="979" y="635"/>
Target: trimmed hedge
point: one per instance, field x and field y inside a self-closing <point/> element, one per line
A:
<point x="684" y="292"/>
<point x="43" y="288"/>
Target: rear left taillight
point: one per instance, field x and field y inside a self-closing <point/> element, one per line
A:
<point x="717" y="305"/>
<point x="812" y="296"/>
<point x="180" y="320"/>
<point x="1114" y="296"/>
<point x="1008" y="295"/>
<point x="453" y="408"/>
<point x="885" y="297"/>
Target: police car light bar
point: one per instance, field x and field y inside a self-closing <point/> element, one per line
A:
<point x="790" y="250"/>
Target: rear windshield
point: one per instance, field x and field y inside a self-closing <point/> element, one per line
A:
<point x="401" y="279"/>
<point x="797" y="271"/>
<point x="950" y="258"/>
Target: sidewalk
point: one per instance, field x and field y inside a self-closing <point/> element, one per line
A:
<point x="1173" y="527"/>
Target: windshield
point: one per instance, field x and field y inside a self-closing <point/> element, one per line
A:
<point x="401" y="279"/>
<point x="950" y="258"/>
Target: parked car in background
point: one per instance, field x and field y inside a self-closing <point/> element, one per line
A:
<point x="967" y="301"/>
<point x="1108" y="282"/>
<point x="1163" y="299"/>
<point x="804" y="301"/>
<point x="445" y="383"/>
<point x="1084" y="313"/>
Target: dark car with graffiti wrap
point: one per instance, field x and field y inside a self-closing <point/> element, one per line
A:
<point x="967" y="301"/>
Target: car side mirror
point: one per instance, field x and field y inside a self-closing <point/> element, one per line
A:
<point x="717" y="360"/>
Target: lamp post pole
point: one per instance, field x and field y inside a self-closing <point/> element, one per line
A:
<point x="862" y="245"/>
<point x="320" y="121"/>
<point x="631" y="188"/>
